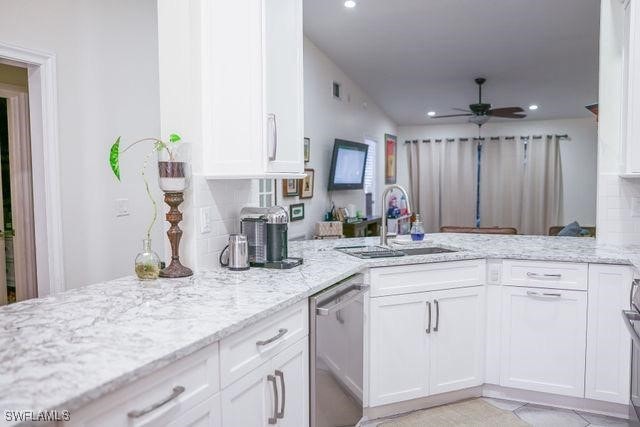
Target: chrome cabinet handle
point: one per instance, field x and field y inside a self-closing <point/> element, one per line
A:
<point x="341" y="300"/>
<point x="177" y="391"/>
<point x="280" y="334"/>
<point x="435" y="328"/>
<point x="274" y="419"/>
<point x="428" y="317"/>
<point x="274" y="146"/>
<point x="544" y="276"/>
<point x="284" y="396"/>
<point x="543" y="294"/>
<point x="630" y="316"/>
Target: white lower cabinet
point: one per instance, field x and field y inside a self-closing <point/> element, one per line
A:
<point x="205" y="414"/>
<point x="276" y="392"/>
<point x="426" y="343"/>
<point x="399" y="348"/>
<point x="457" y="339"/>
<point x="543" y="340"/>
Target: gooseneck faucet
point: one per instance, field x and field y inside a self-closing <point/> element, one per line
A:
<point x="383" y="202"/>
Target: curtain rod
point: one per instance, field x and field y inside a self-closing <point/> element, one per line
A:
<point x="491" y="138"/>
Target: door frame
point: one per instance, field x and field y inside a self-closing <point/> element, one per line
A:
<point x="24" y="249"/>
<point x="43" y="129"/>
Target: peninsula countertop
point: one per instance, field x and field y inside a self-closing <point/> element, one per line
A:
<point x="61" y="352"/>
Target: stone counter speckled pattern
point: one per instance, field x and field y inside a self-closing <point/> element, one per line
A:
<point x="64" y="351"/>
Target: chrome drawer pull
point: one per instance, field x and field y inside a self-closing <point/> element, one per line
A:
<point x="177" y="391"/>
<point x="435" y="328"/>
<point x="274" y="419"/>
<point x="543" y="294"/>
<point x="280" y="334"/>
<point x="428" y="330"/>
<point x="544" y="276"/>
<point x="284" y="396"/>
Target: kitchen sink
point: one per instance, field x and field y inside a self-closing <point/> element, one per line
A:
<point x="426" y="251"/>
<point x="369" y="252"/>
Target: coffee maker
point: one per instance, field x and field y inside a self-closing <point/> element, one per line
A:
<point x="266" y="231"/>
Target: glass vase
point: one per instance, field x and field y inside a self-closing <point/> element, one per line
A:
<point x="174" y="167"/>
<point x="147" y="262"/>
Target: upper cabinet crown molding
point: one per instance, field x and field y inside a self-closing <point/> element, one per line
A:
<point x="231" y="82"/>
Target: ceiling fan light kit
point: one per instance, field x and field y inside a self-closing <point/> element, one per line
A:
<point x="480" y="112"/>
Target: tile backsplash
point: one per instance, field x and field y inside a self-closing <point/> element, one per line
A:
<point x="223" y="200"/>
<point x="616" y="220"/>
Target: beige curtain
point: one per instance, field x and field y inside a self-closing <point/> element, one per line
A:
<point x="430" y="156"/>
<point x="413" y="155"/>
<point x="542" y="186"/>
<point x="501" y="180"/>
<point x="458" y="187"/>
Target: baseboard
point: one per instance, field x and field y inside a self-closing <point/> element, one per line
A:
<point x="576" y="403"/>
<point x="421" y="403"/>
<point x="489" y="390"/>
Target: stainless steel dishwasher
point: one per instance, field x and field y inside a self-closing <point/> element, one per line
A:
<point x="336" y="320"/>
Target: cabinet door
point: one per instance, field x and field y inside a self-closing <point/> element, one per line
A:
<point x="291" y="369"/>
<point x="543" y="340"/>
<point x="232" y="85"/>
<point x="205" y="414"/>
<point x="457" y="339"/>
<point x="399" y="356"/>
<point x="283" y="70"/>
<point x="608" y="342"/>
<point x="249" y="402"/>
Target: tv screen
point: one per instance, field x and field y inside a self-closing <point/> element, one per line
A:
<point x="347" y="165"/>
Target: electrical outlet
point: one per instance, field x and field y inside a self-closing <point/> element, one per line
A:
<point x="205" y="220"/>
<point x="635" y="207"/>
<point x="122" y="207"/>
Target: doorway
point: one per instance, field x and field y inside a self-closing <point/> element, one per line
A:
<point x="18" y="279"/>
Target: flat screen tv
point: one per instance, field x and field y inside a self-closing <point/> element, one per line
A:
<point x="347" y="165"/>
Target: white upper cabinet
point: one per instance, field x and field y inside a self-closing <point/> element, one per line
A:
<point x="631" y="88"/>
<point x="231" y="83"/>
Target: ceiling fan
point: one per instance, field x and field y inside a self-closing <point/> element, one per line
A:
<point x="480" y="112"/>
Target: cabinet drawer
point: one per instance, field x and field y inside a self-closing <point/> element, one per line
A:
<point x="182" y="385"/>
<point x="249" y="348"/>
<point x="426" y="277"/>
<point x="543" y="274"/>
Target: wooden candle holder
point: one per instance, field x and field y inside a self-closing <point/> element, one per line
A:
<point x="174" y="216"/>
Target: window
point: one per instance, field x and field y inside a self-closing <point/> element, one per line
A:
<point x="266" y="192"/>
<point x="371" y="175"/>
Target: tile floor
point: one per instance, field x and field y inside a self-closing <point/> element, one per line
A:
<point x="544" y="416"/>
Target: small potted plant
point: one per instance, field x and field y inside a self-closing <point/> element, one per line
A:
<point x="173" y="174"/>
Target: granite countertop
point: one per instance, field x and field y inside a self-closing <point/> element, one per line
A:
<point x="63" y="351"/>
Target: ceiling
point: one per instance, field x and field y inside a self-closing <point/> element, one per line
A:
<point x="413" y="56"/>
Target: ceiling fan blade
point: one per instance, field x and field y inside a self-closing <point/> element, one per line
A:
<point x="500" y="112"/>
<point x="451" y="115"/>
<point x="510" y="116"/>
<point x="461" y="109"/>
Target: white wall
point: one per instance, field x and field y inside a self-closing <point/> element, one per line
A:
<point x="325" y="119"/>
<point x="107" y="76"/>
<point x="578" y="156"/>
<point x="615" y="223"/>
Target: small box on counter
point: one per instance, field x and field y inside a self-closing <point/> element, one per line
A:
<point x="328" y="229"/>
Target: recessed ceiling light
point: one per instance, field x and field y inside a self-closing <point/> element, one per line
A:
<point x="350" y="4"/>
<point x="533" y="107"/>
<point x="431" y="113"/>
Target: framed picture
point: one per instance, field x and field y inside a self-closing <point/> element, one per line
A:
<point x="390" y="164"/>
<point x="290" y="188"/>
<point x="307" y="149"/>
<point x="296" y="212"/>
<point x="306" y="184"/>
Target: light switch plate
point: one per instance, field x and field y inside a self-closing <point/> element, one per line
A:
<point x="122" y="207"/>
<point x="635" y="207"/>
<point x="205" y="220"/>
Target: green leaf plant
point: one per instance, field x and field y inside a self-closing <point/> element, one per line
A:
<point x="158" y="145"/>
